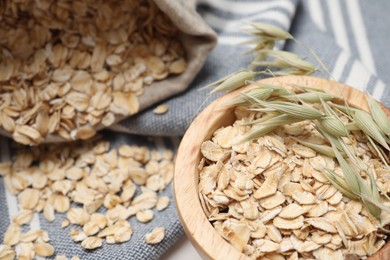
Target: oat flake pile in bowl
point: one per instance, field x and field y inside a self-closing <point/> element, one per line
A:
<point x="269" y="198"/>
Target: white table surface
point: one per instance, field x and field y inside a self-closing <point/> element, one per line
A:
<point x="183" y="249"/>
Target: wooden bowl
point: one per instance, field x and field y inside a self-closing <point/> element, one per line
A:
<point x="199" y="230"/>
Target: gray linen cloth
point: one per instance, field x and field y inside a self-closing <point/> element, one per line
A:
<point x="351" y="38"/>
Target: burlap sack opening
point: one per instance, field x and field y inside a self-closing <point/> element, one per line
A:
<point x="198" y="40"/>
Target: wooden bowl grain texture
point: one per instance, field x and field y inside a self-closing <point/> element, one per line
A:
<point x="209" y="244"/>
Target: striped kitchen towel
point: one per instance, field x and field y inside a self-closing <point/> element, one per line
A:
<point x="350" y="36"/>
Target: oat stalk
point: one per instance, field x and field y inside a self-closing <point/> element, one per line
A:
<point x="309" y="97"/>
<point x="320" y="148"/>
<point x="325" y="115"/>
<point x="379" y="116"/>
<point x="265" y="56"/>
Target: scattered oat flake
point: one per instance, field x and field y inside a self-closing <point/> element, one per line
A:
<point x="156" y="236"/>
<point x="267" y="246"/>
<point x="145" y="215"/>
<point x="288" y="223"/>
<point x="23" y="217"/>
<point x="43" y="249"/>
<point x="48" y="212"/>
<point x="32" y="235"/>
<point x="322" y="224"/>
<point x="304" y="197"/>
<point x="308" y="246"/>
<point x="212" y="151"/>
<point x="272" y="201"/>
<point x="162" y="203"/>
<point x="91" y="242"/>
<point x="161" y="109"/>
<point x="326" y="253"/>
<point x="318" y="210"/>
<point x="77" y="235"/>
<point x="123" y="235"/>
<point x="6" y="252"/>
<point x="274" y="234"/>
<point x="91" y="228"/>
<point x="303" y="151"/>
<point x="268" y="187"/>
<point x="65" y="223"/>
<point x="25" y="251"/>
<point x="285" y="245"/>
<point x="268" y="215"/>
<point x="12" y="235"/>
<point x="29" y="198"/>
<point x="292" y="210"/>
<point x="78" y="216"/>
<point x="321" y="239"/>
<point x="224" y="136"/>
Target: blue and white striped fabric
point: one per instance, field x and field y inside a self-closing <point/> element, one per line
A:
<point x="350" y="36"/>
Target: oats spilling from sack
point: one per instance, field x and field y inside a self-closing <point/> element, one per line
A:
<point x="70" y="67"/>
<point x="298" y="176"/>
<point x="161" y="109"/>
<point x="78" y="180"/>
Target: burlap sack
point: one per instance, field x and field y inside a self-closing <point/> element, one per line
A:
<point x="198" y="40"/>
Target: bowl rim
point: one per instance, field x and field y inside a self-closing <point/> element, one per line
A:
<point x="206" y="240"/>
